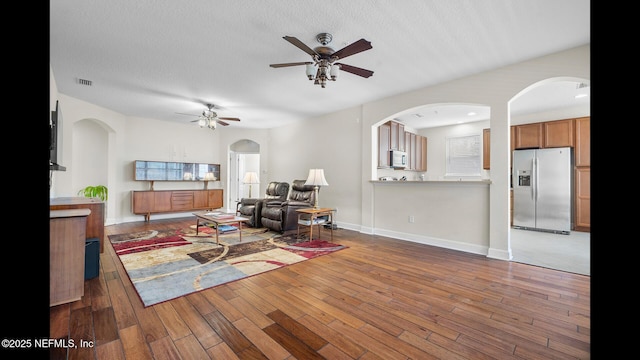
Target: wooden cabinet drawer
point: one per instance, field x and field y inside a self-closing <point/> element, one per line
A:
<point x="182" y="200"/>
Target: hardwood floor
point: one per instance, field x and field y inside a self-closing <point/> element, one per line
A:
<point x="379" y="299"/>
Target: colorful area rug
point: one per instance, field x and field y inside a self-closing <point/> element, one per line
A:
<point x="167" y="264"/>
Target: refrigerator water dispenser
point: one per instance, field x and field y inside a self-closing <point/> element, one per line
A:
<point x="524" y="180"/>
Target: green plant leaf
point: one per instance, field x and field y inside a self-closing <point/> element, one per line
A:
<point x="99" y="191"/>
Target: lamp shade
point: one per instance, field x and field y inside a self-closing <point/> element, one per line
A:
<point x="251" y="178"/>
<point x="311" y="71"/>
<point x="335" y="69"/>
<point x="316" y="178"/>
<point x="209" y="176"/>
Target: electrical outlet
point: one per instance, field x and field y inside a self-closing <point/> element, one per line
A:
<point x="412" y="219"/>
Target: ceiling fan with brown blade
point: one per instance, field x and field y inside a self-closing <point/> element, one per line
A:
<point x="210" y="118"/>
<point x="324" y="67"/>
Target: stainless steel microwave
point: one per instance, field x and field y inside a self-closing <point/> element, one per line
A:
<point x="398" y="159"/>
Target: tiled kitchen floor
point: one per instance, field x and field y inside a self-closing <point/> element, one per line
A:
<point x="570" y="253"/>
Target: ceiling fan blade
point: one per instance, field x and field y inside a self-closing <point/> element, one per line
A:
<point x="290" y="64"/>
<point x="185" y="114"/>
<point x="358" y="46"/>
<point x="196" y="120"/>
<point x="222" y="123"/>
<point x="229" y="119"/>
<point x="355" y="70"/>
<point x="302" y="46"/>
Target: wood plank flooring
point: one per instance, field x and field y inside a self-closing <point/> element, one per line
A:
<point x="379" y="299"/>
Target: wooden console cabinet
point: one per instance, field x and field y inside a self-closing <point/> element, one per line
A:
<point x="95" y="221"/>
<point x="67" y="237"/>
<point x="165" y="201"/>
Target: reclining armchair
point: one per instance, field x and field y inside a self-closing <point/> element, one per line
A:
<point x="281" y="216"/>
<point x="252" y="207"/>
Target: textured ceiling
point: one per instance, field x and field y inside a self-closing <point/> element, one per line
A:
<point x="157" y="58"/>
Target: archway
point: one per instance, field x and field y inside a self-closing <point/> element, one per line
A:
<point x="566" y="252"/>
<point x="244" y="156"/>
<point x="91" y="165"/>
<point x="457" y="118"/>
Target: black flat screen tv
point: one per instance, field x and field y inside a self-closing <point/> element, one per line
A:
<point x="54" y="139"/>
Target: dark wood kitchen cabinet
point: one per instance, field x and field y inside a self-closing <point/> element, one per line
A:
<point x="67" y="236"/>
<point x="95" y="220"/>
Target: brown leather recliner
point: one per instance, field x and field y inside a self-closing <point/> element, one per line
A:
<point x="281" y="216"/>
<point x="252" y="207"/>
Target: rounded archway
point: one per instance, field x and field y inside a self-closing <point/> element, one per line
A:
<point x="453" y="119"/>
<point x="549" y="101"/>
<point x="244" y="156"/>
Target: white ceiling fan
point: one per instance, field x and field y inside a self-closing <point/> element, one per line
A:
<point x="210" y="118"/>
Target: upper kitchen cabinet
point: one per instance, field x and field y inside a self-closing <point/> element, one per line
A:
<point x="396" y="139"/>
<point x="548" y="134"/>
<point x="583" y="141"/>
<point x="528" y="136"/>
<point x="558" y="133"/>
<point x="384" y="134"/>
<point x="410" y="148"/>
<point x="486" y="149"/>
<point x="421" y="153"/>
<point x="392" y="136"/>
<point x="416" y="149"/>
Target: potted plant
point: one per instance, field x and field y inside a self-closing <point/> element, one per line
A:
<point x="99" y="191"/>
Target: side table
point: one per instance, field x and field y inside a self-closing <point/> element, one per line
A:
<point x="312" y="216"/>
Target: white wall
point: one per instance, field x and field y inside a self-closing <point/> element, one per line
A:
<point x="341" y="143"/>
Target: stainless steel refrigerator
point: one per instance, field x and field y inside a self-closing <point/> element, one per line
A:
<point x="542" y="182"/>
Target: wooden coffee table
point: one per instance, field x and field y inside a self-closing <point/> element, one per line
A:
<point x="209" y="217"/>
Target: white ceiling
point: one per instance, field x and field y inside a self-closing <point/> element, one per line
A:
<point x="157" y="58"/>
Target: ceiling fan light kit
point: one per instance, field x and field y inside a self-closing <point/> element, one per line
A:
<point x="210" y="118"/>
<point x="324" y="66"/>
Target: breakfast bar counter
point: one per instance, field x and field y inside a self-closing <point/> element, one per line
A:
<point x="479" y="182"/>
<point x="446" y="213"/>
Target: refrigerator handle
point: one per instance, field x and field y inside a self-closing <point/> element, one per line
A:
<point x="535" y="177"/>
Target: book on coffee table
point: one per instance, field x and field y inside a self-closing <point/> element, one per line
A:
<point x="220" y="215"/>
<point x="317" y="221"/>
<point x="226" y="228"/>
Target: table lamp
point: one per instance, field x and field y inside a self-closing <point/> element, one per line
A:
<point x="208" y="177"/>
<point x="316" y="178"/>
<point x="250" y="178"/>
